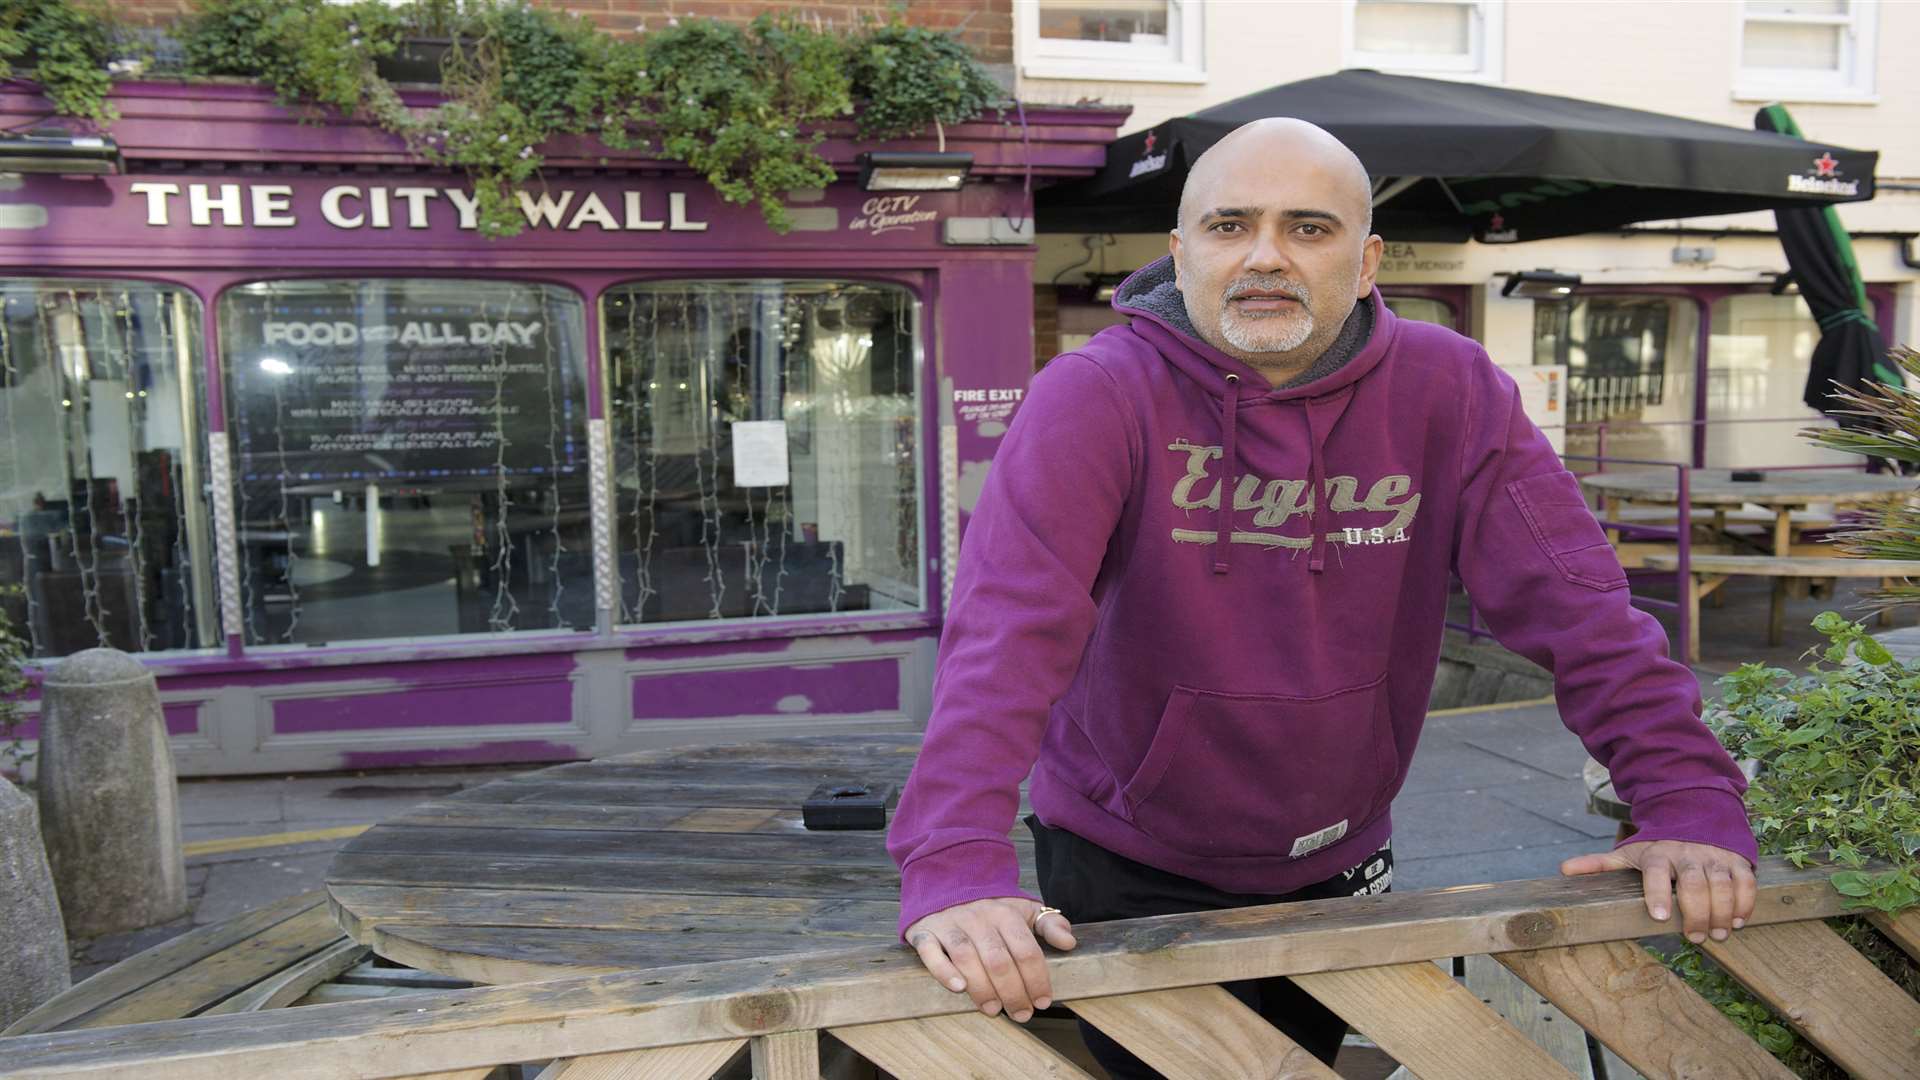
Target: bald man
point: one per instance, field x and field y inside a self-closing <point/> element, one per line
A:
<point x="1202" y="596"/>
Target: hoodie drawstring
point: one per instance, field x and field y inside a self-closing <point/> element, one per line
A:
<point x="1316" y="473"/>
<point x="1229" y="458"/>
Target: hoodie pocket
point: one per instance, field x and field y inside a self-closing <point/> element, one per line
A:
<point x="1264" y="774"/>
<point x="1567" y="532"/>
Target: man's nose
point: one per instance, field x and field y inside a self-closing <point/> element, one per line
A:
<point x="1268" y="253"/>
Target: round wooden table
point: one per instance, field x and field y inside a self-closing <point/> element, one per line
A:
<point x="648" y="859"/>
<point x="1780" y="492"/>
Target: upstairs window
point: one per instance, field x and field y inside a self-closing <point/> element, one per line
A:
<point x="1130" y="40"/>
<point x="1458" y="39"/>
<point x="1806" y="50"/>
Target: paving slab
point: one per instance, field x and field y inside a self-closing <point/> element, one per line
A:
<point x="1561" y="801"/>
<point x="1444" y="762"/>
<point x="1533" y="737"/>
<point x="1444" y="823"/>
<point x="234" y="888"/>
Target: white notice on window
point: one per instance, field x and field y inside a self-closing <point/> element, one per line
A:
<point x="760" y="453"/>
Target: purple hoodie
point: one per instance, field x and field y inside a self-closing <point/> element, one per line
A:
<point x="1235" y="696"/>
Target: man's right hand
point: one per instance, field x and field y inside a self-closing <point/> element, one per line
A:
<point x="987" y="949"/>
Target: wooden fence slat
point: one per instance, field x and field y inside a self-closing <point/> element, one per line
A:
<point x="665" y="1007"/>
<point x="156" y="963"/>
<point x="789" y="1055"/>
<point x="692" y="1061"/>
<point x="220" y="976"/>
<point x="293" y="984"/>
<point x="1829" y="993"/>
<point x="1530" y="1014"/>
<point x="1643" y="1012"/>
<point x="965" y="1044"/>
<point x="1431" y="1024"/>
<point x="1201" y="1033"/>
<point x="1903" y="929"/>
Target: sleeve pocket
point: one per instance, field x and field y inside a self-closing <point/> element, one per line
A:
<point x="1566" y="530"/>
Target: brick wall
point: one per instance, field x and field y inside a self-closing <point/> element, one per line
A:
<point x="986" y="26"/>
<point x="1046" y="324"/>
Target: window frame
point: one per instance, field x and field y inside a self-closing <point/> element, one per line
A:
<point x="931" y="603"/>
<point x="1486" y="33"/>
<point x="200" y="517"/>
<point x="1181" y="60"/>
<point x="1853" y="82"/>
<point x="233" y="566"/>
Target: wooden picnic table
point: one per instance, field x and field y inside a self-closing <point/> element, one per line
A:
<point x="647" y="859"/>
<point x="1780" y="493"/>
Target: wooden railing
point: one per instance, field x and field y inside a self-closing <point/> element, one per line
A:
<point x="1146" y="982"/>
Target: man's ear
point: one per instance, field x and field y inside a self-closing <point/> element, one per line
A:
<point x="1370" y="255"/>
<point x="1173" y="249"/>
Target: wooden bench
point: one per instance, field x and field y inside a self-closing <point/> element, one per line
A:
<point x="1709" y="572"/>
<point x="291" y="952"/>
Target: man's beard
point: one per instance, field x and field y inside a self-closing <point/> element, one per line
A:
<point x="1273" y="333"/>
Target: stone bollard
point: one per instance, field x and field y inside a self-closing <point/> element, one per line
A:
<point x="33" y="944"/>
<point x="108" y="805"/>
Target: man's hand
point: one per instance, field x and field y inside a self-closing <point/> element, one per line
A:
<point x="1716" y="886"/>
<point x="987" y="949"/>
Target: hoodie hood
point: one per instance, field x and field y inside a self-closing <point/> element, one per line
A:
<point x="1322" y="391"/>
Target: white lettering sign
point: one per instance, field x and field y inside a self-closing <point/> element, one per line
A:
<point x="351" y="206"/>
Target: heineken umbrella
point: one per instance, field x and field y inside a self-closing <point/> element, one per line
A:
<point x="1454" y="160"/>
<point x="1820" y="256"/>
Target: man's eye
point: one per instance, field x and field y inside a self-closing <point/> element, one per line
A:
<point x="1222" y="226"/>
<point x="1316" y="229"/>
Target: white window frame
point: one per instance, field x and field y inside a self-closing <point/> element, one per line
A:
<point x="1182" y="59"/>
<point x="1487" y="37"/>
<point x="1859" y="42"/>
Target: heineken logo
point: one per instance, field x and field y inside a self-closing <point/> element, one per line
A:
<point x="1824" y="179"/>
<point x="1149" y="161"/>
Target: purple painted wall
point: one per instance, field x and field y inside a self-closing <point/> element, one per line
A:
<point x="859" y="686"/>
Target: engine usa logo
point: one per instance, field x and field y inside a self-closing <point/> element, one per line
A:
<point x="1823" y="179"/>
<point x="1149" y="162"/>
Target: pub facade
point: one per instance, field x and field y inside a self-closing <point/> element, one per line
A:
<point x="366" y="488"/>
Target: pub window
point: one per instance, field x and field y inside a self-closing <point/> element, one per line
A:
<point x="103" y="528"/>
<point x="766" y="448"/>
<point x="1806" y="50"/>
<point x="1445" y="38"/>
<point x="410" y="458"/>
<point x="1630" y="370"/>
<point x="1126" y="40"/>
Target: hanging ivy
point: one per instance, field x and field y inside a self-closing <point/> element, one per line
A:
<point x="745" y="107"/>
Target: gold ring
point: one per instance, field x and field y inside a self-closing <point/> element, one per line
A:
<point x="1043" y="913"/>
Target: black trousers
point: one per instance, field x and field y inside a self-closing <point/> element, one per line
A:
<point x="1088" y="883"/>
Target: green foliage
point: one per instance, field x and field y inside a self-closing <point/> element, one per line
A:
<point x="13" y="683"/>
<point x="1889" y="428"/>
<point x="735" y="105"/>
<point x="1838" y="785"/>
<point x="68" y="48"/>
<point x="910" y="77"/>
<point x="745" y="108"/>
<point x="1839" y="754"/>
<point x="309" y="51"/>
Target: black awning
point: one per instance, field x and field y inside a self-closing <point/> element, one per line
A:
<point x="1453" y="161"/>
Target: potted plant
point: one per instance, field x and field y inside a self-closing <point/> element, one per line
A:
<point x="431" y="29"/>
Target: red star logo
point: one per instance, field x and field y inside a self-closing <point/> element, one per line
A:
<point x="1826" y="165"/>
<point x="1497" y="223"/>
<point x="1151" y="139"/>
